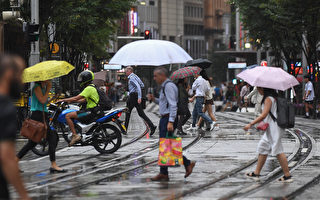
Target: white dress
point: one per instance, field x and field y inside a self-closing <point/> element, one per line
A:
<point x="270" y="143"/>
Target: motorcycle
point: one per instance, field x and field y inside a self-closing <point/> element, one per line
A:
<point x="100" y="132"/>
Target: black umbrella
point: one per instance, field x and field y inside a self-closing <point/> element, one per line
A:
<point x="202" y="63"/>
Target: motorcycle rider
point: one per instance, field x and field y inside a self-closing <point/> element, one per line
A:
<point x="90" y="96"/>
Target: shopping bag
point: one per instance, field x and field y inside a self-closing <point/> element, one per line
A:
<point x="170" y="152"/>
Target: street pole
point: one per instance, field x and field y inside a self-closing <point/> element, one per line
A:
<point x="237" y="30"/>
<point x="34" y="54"/>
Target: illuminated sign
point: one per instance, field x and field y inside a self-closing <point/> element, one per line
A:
<point x="237" y="65"/>
<point x="112" y="67"/>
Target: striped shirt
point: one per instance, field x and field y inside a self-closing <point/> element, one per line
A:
<point x="135" y="84"/>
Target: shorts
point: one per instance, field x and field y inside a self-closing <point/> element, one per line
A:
<point x="209" y="102"/>
<point x="309" y="102"/>
<point x="86" y="116"/>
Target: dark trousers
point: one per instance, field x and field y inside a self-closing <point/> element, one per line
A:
<point x="52" y="138"/>
<point x="4" y="190"/>
<point x="183" y="119"/>
<point x="133" y="102"/>
<point x="163" y="132"/>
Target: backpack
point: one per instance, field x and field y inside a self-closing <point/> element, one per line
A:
<point x="285" y="112"/>
<point x="104" y="101"/>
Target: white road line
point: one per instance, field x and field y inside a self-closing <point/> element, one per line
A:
<point x="304" y="150"/>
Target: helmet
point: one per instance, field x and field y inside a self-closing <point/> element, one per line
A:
<point x="85" y="78"/>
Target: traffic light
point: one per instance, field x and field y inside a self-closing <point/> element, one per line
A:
<point x="31" y="31"/>
<point x="147" y="34"/>
<point x="86" y="66"/>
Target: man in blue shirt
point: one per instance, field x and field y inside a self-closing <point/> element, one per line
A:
<point x="168" y="101"/>
<point x="135" y="98"/>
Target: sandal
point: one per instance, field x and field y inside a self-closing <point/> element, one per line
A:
<point x="253" y="175"/>
<point x="286" y="179"/>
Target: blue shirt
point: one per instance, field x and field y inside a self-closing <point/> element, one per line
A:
<point x="36" y="105"/>
<point x="168" y="103"/>
<point x="135" y="84"/>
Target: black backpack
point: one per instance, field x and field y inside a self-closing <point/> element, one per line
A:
<point x="104" y="101"/>
<point x="285" y="113"/>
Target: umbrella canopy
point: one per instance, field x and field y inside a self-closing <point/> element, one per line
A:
<point x="101" y="75"/>
<point x="46" y="70"/>
<point x="98" y="82"/>
<point x="150" y="53"/>
<point x="269" y="77"/>
<point x="185" y="72"/>
<point x="202" y="63"/>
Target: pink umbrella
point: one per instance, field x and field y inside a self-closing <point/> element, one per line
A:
<point x="269" y="77"/>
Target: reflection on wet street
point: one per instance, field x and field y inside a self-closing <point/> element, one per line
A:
<point x="222" y="157"/>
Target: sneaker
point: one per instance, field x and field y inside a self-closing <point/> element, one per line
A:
<point x="189" y="128"/>
<point x="181" y="132"/>
<point x="212" y="125"/>
<point x="75" y="138"/>
<point x="286" y="179"/>
<point x="193" y="128"/>
<point x="216" y="128"/>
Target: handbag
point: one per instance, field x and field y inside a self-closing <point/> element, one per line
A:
<point x="34" y="130"/>
<point x="170" y="151"/>
<point x="262" y="126"/>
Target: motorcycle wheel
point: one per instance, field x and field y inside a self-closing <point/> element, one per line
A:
<point x="42" y="148"/>
<point x="107" y="139"/>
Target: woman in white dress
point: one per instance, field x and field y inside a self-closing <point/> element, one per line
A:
<point x="270" y="143"/>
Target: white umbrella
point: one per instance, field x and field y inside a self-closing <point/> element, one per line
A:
<point x="150" y="53"/>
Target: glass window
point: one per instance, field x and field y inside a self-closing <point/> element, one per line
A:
<point x="164" y="37"/>
<point x="151" y="3"/>
<point x="172" y="38"/>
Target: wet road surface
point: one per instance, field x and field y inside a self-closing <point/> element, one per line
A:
<point x="126" y="173"/>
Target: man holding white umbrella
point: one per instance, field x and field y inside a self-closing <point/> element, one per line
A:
<point x="134" y="100"/>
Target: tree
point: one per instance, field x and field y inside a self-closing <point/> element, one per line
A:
<point x="83" y="28"/>
<point x="280" y="24"/>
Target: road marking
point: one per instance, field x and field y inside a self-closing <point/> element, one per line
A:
<point x="292" y="164"/>
<point x="304" y="150"/>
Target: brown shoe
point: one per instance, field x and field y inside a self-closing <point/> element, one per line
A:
<point x="160" y="177"/>
<point x="189" y="169"/>
<point x="75" y="138"/>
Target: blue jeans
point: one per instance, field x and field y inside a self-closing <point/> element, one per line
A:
<point x="197" y="112"/>
<point x="163" y="132"/>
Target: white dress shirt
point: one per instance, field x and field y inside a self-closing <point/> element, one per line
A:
<point x="200" y="86"/>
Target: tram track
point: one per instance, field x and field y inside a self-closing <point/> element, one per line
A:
<point x="96" y="165"/>
<point x="106" y="167"/>
<point x="301" y="154"/>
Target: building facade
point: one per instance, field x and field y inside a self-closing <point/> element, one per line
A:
<point x="148" y="17"/>
<point x="194" y="40"/>
<point x="171" y="20"/>
<point x="217" y="23"/>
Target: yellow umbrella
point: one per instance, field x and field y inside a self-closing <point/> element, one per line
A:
<point x="46" y="70"/>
